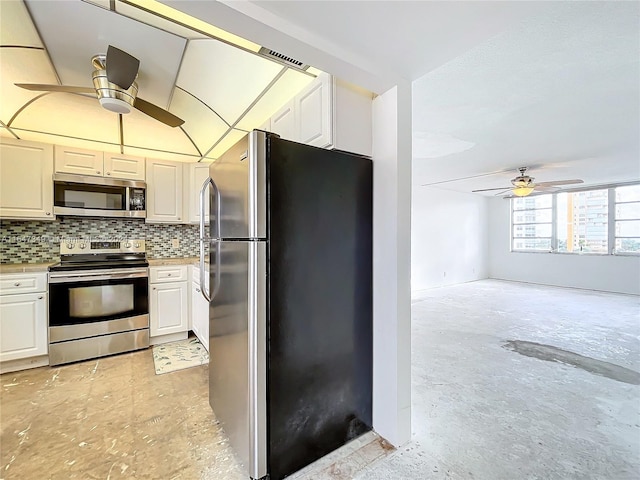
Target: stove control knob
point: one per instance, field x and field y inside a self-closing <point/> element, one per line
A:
<point x="137" y="245"/>
<point x="127" y="245"/>
<point x="83" y="246"/>
<point x="70" y="246"/>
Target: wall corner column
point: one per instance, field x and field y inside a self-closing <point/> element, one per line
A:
<point x="392" y="264"/>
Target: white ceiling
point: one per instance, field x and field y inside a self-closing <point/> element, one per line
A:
<point x="221" y="91"/>
<point x="559" y="91"/>
<point x="496" y="85"/>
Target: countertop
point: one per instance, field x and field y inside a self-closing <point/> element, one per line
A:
<point x="25" y="267"/>
<point x="44" y="267"/>
<point x="161" y="262"/>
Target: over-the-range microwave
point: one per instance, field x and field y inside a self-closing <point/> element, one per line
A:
<point x="98" y="197"/>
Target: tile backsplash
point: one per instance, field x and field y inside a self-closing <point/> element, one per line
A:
<point x="34" y="242"/>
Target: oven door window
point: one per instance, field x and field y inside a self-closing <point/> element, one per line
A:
<point x="95" y="301"/>
<point x="100" y="301"/>
<point x="98" y="197"/>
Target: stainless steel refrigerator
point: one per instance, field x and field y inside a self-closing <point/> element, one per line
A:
<point x="290" y="306"/>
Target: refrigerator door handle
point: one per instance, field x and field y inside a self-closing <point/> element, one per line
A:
<point x="203" y="193"/>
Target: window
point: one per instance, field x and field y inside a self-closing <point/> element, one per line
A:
<point x="532" y="223"/>
<point x="601" y="221"/>
<point x="582" y="221"/>
<point x="627" y="223"/>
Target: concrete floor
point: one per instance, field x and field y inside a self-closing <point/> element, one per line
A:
<point x="480" y="410"/>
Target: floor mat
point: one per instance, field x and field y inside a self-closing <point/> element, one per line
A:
<point x="179" y="355"/>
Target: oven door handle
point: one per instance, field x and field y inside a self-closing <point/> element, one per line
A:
<point x="82" y="277"/>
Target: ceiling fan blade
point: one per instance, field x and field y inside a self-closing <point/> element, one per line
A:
<point x="503" y="191"/>
<point x="38" y="87"/>
<point x="490" y="189"/>
<point x="158" y="113"/>
<point x="545" y="188"/>
<point x="122" y="68"/>
<point x="559" y="182"/>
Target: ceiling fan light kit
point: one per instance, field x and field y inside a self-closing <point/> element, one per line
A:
<point x="522" y="191"/>
<point x="112" y="97"/>
<point x="523" y="185"/>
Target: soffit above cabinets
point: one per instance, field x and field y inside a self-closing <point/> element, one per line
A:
<point x="221" y="91"/>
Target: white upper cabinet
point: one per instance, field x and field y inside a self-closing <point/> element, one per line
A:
<point x="283" y="122"/>
<point x="123" y="166"/>
<point x="79" y="161"/>
<point x="328" y="113"/>
<point x="164" y="191"/>
<point x="313" y="108"/>
<point x="194" y="176"/>
<point x="26" y="180"/>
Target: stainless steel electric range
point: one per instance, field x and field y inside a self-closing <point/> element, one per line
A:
<point x="98" y="300"/>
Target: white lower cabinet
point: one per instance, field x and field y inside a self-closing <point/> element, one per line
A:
<point x="199" y="312"/>
<point x="23" y="326"/>
<point x="168" y="304"/>
<point x="23" y="320"/>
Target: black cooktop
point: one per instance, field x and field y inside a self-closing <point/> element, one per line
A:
<point x="99" y="262"/>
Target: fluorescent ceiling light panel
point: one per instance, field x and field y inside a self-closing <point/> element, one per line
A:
<point x="19" y="65"/>
<point x="192" y="22"/>
<point x="156" y="21"/>
<point x="280" y="93"/>
<point x="174" y="157"/>
<point x="224" y="77"/>
<point x="201" y="123"/>
<point x="16" y="27"/>
<point x="145" y="132"/>
<point x="68" y="141"/>
<point x="71" y="115"/>
<point x="227" y="142"/>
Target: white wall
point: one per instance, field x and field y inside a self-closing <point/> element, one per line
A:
<point x="595" y="272"/>
<point x="392" y="264"/>
<point x="449" y="238"/>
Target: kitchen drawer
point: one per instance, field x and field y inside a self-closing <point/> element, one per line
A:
<point x="23" y="283"/>
<point x="169" y="273"/>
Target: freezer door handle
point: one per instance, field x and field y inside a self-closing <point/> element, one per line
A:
<point x="203" y="193"/>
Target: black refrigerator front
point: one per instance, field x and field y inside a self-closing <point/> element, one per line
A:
<point x="291" y="301"/>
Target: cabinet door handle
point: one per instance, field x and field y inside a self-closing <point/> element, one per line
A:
<point x="168" y="275"/>
<point x="48" y="213"/>
<point x="97" y="171"/>
<point x="16" y="284"/>
<point x="154" y="288"/>
<point x="40" y="298"/>
<point x="108" y="173"/>
<point x="198" y="290"/>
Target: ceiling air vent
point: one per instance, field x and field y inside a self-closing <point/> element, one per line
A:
<point x="281" y="58"/>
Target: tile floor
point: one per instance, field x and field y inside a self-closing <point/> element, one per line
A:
<point x="480" y="410"/>
<point x="114" y="418"/>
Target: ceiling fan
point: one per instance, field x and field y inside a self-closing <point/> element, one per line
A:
<point x="115" y="86"/>
<point x="523" y="185"/>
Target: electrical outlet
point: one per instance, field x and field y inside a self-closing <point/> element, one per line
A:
<point x="175" y="243"/>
